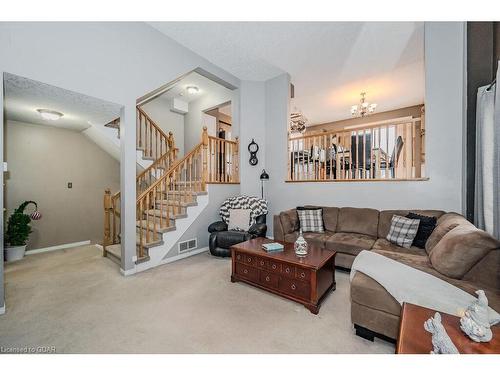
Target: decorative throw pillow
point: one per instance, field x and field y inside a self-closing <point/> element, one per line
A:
<point x="311" y="219"/>
<point x="425" y="228"/>
<point x="403" y="231"/>
<point x="239" y="219"/>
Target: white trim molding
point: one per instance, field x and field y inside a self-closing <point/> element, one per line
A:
<point x="2" y="309"/>
<point x="57" y="247"/>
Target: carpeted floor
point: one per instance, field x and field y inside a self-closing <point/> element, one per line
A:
<point x="77" y="301"/>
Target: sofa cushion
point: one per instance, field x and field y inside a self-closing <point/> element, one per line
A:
<point x="367" y="292"/>
<point x="444" y="224"/>
<point x="460" y="249"/>
<point x="403" y="231"/>
<point x="418" y="261"/>
<point x="358" y="220"/>
<point x="316" y="239"/>
<point x="350" y="243"/>
<point x="289" y="221"/>
<point x="330" y="218"/>
<point x="425" y="228"/>
<point x="383" y="244"/>
<point x="311" y="219"/>
<point x="385" y="217"/>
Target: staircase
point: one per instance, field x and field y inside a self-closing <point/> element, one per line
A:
<point x="168" y="191"/>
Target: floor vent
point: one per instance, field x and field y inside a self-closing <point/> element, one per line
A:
<point x="188" y="245"/>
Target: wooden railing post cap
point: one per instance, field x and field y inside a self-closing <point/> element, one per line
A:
<point x="107" y="191"/>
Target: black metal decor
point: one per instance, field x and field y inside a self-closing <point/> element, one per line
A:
<point x="253" y="148"/>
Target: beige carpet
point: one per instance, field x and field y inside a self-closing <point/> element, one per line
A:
<point x="78" y="302"/>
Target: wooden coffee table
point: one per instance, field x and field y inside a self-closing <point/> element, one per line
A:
<point x="414" y="339"/>
<point x="306" y="280"/>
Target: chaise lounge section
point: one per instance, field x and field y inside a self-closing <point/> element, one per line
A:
<point x="456" y="252"/>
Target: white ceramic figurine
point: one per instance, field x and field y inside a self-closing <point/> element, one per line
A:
<point x="475" y="322"/>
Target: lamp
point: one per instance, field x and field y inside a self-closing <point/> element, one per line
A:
<point x="264" y="176"/>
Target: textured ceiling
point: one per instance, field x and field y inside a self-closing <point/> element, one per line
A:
<point x="24" y="96"/>
<point x="330" y="63"/>
<point x="206" y="87"/>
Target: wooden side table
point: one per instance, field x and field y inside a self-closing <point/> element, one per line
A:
<point x="414" y="339"/>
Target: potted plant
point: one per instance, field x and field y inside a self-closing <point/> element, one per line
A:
<point x="18" y="231"/>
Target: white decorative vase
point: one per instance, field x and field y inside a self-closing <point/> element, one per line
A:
<point x="14" y="253"/>
<point x="300" y="246"/>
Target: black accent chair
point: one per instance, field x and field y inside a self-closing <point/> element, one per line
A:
<point x="221" y="239"/>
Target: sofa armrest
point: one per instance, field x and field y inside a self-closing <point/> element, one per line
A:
<point x="278" y="232"/>
<point x="218" y="226"/>
<point x="258" y="230"/>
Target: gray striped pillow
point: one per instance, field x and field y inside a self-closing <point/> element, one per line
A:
<point x="403" y="231"/>
<point x="311" y="220"/>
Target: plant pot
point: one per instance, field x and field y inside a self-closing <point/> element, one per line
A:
<point x="13" y="253"/>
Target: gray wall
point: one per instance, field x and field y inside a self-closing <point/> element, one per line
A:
<point x="159" y="110"/>
<point x="192" y="120"/>
<point x="42" y="160"/>
<point x="444" y="101"/>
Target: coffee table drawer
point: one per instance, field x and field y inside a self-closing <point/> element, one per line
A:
<point x="261" y="263"/>
<point x="303" y="274"/>
<point x="288" y="270"/>
<point x="250" y="260"/>
<point x="247" y="272"/>
<point x="239" y="257"/>
<point x="269" y="279"/>
<point x="274" y="266"/>
<point x="295" y="288"/>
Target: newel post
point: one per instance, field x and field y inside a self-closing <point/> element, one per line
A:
<point x="204" y="174"/>
<point x="107" y="219"/>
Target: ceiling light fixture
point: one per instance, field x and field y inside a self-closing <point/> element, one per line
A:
<point x="192" y="90"/>
<point x="363" y="108"/>
<point x="48" y="114"/>
<point x="298" y="122"/>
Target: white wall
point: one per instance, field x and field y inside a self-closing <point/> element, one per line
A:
<point x="253" y="126"/>
<point x="445" y="67"/>
<point x="81" y="62"/>
<point x="193" y="123"/>
<point x="159" y="110"/>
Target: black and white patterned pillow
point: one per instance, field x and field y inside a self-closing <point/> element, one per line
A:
<point x="403" y="231"/>
<point x="311" y="219"/>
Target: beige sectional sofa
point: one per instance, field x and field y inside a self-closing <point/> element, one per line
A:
<point x="456" y="252"/>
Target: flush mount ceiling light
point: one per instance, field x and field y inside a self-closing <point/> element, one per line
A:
<point x="363" y="108"/>
<point x="192" y="90"/>
<point x="48" y="114"/>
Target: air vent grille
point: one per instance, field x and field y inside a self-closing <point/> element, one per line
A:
<point x="188" y="245"/>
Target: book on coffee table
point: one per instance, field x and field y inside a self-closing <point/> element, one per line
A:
<point x="273" y="246"/>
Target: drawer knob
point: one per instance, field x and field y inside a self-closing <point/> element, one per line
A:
<point x="293" y="287"/>
<point x="249" y="259"/>
<point x="245" y="271"/>
<point x="261" y="262"/>
<point x="287" y="270"/>
<point x="303" y="275"/>
<point x="238" y="257"/>
<point x="268" y="278"/>
<point x="274" y="266"/>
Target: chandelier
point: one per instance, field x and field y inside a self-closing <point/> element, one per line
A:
<point x="298" y="122"/>
<point x="363" y="108"/>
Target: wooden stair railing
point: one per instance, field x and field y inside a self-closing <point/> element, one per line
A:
<point x="150" y="137"/>
<point x="169" y="191"/>
<point x="112" y="215"/>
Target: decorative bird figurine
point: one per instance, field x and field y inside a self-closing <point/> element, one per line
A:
<point x="475" y="322"/>
<point x="441" y="342"/>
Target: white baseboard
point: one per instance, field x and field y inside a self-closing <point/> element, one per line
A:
<point x="2" y="309"/>
<point x="99" y="246"/>
<point x="57" y="247"/>
<point x="127" y="272"/>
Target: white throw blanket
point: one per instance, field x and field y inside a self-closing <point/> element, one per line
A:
<point x="407" y="284"/>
